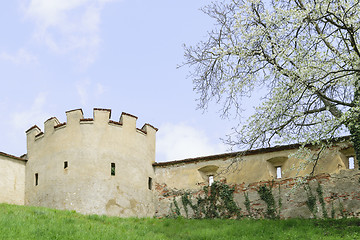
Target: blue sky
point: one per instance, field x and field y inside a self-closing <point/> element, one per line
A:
<point x="58" y="55"/>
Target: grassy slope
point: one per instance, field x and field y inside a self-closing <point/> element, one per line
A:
<point x="19" y="222"/>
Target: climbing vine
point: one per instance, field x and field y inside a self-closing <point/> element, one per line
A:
<point x="311" y="200"/>
<point x="216" y="202"/>
<point x="321" y="200"/>
<point x="247" y="204"/>
<point x="267" y="196"/>
<point x="174" y="212"/>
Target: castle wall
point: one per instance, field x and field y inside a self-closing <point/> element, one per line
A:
<point x="91" y="147"/>
<point x="12" y="179"/>
<point x="100" y="166"/>
<point x="341" y="197"/>
<point x="247" y="167"/>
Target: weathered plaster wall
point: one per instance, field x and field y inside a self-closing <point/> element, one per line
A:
<point x="12" y="179"/>
<point x="339" y="188"/>
<point x="89" y="146"/>
<point x="248" y="167"/>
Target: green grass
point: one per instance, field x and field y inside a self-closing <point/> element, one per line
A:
<point x="19" y="222"/>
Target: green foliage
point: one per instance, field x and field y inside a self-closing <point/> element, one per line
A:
<point x="332" y="210"/>
<point x="311" y="200"/>
<point x="216" y="202"/>
<point x="176" y="211"/>
<point x="34" y="223"/>
<point x="247" y="204"/>
<point x="321" y="200"/>
<point x="186" y="201"/>
<point x="343" y="212"/>
<point x="266" y="195"/>
<point x="279" y="202"/>
<point x="311" y="203"/>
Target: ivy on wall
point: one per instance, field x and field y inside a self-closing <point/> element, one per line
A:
<point x="311" y="203"/>
<point x="265" y="193"/>
<point x="216" y="202"/>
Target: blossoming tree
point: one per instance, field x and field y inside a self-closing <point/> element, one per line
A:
<point x="304" y="53"/>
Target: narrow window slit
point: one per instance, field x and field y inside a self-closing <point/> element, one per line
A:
<point x="112" y="169"/>
<point x="36" y="179"/>
<point x="351" y="162"/>
<point x="211" y="180"/>
<point x="65" y="165"/>
<point x="150" y="183"/>
<point x="278" y="172"/>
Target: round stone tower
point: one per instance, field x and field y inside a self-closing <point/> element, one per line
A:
<point x="93" y="166"/>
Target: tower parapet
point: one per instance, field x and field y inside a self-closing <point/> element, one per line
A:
<point x="92" y="165"/>
<point x="100" y="117"/>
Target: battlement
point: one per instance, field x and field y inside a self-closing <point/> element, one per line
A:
<point x="101" y="117"/>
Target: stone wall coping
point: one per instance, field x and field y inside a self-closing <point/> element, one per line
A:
<point x="12" y="156"/>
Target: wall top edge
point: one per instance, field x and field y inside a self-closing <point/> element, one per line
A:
<point x="78" y="109"/>
<point x="12" y="156"/>
<point x="242" y="153"/>
<point x="33" y="127"/>
<point x="128" y="114"/>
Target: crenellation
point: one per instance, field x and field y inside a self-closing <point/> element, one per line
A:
<point x="128" y="114"/>
<point x="32" y="129"/>
<point x="31" y="134"/>
<point x="111" y="122"/>
<point x="73" y="117"/>
<point x="87" y="120"/>
<point x="102" y="116"/>
<point x="149" y="125"/>
<point x="49" y="126"/>
<point x="39" y="135"/>
<point x="60" y="126"/>
<point x="128" y="121"/>
<point x="141" y="131"/>
<point x="149" y="130"/>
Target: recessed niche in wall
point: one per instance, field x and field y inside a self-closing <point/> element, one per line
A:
<point x="348" y="157"/>
<point x="275" y="167"/>
<point x="207" y="172"/>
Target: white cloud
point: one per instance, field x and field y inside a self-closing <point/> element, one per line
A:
<point x="86" y="90"/>
<point x="180" y="141"/>
<point x="31" y="116"/>
<point x="99" y="89"/>
<point x="68" y="25"/>
<point x="22" y="56"/>
<point x="81" y="88"/>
